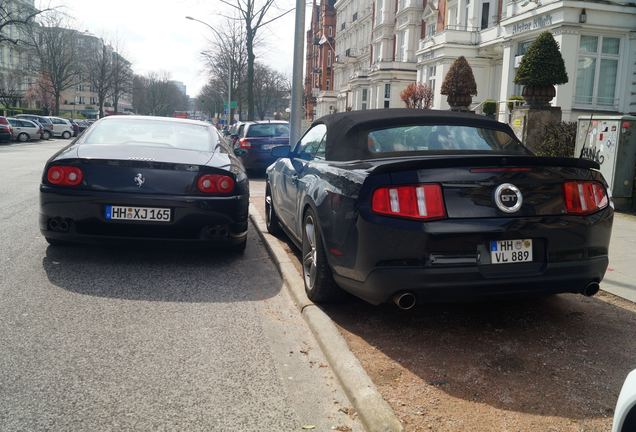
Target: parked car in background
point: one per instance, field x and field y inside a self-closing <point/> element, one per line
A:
<point x="145" y="178"/>
<point x="236" y="131"/>
<point x="46" y="123"/>
<point x="257" y="141"/>
<point x="61" y="127"/>
<point x="75" y="127"/>
<point x="82" y="124"/>
<point x="25" y="130"/>
<point x="6" y="131"/>
<point x="418" y="205"/>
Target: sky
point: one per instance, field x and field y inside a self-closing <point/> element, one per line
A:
<point x="157" y="37"/>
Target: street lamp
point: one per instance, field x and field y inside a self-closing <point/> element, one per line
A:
<point x="229" y="81"/>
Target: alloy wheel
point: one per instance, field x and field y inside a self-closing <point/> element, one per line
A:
<point x="309" y="253"/>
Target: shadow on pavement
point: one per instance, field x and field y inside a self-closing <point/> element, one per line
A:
<point x="146" y="272"/>
<point x="564" y="356"/>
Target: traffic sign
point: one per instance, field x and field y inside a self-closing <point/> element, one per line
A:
<point x="234" y="105"/>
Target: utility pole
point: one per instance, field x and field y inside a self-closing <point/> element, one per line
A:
<point x="296" y="115"/>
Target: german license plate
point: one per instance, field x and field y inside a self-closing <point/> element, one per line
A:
<point x="150" y="214"/>
<point x="510" y="251"/>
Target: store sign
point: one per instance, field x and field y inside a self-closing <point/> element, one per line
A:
<point x="533" y="24"/>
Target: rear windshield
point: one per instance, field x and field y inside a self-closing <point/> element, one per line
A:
<point x="268" y="130"/>
<point x="156" y="133"/>
<point x="442" y="138"/>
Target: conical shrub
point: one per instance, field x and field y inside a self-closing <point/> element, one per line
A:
<point x="460" y="79"/>
<point x="542" y="65"/>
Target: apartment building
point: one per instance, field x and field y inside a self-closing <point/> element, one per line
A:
<point x="319" y="97"/>
<point x="376" y="51"/>
<point x="597" y="40"/>
<point x="16" y="72"/>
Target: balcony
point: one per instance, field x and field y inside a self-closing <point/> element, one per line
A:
<point x="385" y="64"/>
<point x="452" y="34"/>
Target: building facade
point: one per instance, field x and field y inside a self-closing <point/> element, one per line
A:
<point x="383" y="45"/>
<point x="597" y="40"/>
<point x="377" y="43"/>
<point x="319" y="97"/>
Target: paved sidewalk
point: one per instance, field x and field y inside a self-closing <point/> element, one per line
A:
<point x="620" y="278"/>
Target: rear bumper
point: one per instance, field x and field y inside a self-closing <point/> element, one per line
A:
<point x="257" y="159"/>
<point x="5" y="136"/>
<point x="194" y="219"/>
<point x="450" y="259"/>
<point x="465" y="283"/>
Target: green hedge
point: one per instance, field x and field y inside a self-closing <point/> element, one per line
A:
<point x="558" y="140"/>
<point x="15" y="111"/>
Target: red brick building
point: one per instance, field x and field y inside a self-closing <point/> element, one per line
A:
<point x="320" y="58"/>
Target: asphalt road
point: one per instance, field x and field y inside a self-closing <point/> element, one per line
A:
<point x="134" y="338"/>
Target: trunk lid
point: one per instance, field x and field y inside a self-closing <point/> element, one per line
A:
<point x="145" y="169"/>
<point x="472" y="185"/>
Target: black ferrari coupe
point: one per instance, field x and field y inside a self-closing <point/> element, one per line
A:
<point x="145" y="178"/>
<point x="429" y="205"/>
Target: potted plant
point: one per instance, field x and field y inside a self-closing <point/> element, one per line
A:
<point x="459" y="85"/>
<point x="489" y="108"/>
<point x="541" y="68"/>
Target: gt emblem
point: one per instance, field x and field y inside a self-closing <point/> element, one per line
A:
<point x="139" y="179"/>
<point x="508" y="198"/>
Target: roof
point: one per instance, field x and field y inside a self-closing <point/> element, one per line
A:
<point x="349" y="126"/>
<point x="154" y="118"/>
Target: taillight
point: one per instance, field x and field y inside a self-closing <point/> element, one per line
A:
<point x="64" y="175"/>
<point x="215" y="183"/>
<point x="422" y="201"/>
<point x="584" y="197"/>
<point x="244" y="143"/>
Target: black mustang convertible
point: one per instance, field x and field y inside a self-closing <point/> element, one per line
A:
<point x="431" y="205"/>
<point x="145" y="178"/>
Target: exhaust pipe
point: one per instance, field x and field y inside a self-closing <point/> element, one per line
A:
<point x="405" y="300"/>
<point x="591" y="289"/>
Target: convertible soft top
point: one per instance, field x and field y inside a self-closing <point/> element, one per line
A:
<point x="346" y="132"/>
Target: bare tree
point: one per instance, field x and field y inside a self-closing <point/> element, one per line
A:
<point x="255" y="15"/>
<point x="154" y="94"/>
<point x="270" y="89"/>
<point x="210" y="99"/>
<point x="55" y="45"/>
<point x="11" y="91"/>
<point x="16" y="15"/>
<point x="97" y="69"/>
<point x="41" y="93"/>
<point x="227" y="58"/>
<point x="417" y="95"/>
<point x="122" y="75"/>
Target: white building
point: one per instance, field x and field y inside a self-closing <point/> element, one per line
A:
<point x="376" y="51"/>
<point x="597" y="39"/>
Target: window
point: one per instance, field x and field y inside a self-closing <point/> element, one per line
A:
<point x="430" y="27"/>
<point x="93" y="100"/>
<point x="365" y="96"/>
<point x="81" y="100"/>
<point x="328" y="86"/>
<point x="330" y="31"/>
<point x="597" y="70"/>
<point x="442" y="138"/>
<point x="267" y="130"/>
<point x="329" y="58"/>
<point x="430" y="79"/>
<point x="309" y="144"/>
<point x="152" y="133"/>
<point x="485" y="11"/>
<point x="387" y="104"/>
<point x="387" y="91"/>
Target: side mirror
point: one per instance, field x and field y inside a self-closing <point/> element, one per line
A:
<point x="240" y="152"/>
<point x="281" y="151"/>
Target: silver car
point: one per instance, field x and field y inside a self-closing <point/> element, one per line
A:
<point x="25" y="130"/>
<point x="61" y="127"/>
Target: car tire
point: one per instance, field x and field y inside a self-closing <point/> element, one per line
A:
<point x="47" y="135"/>
<point x="239" y="248"/>
<point x="23" y="137"/>
<point x="66" y="135"/>
<point x="319" y="284"/>
<point x="56" y="242"/>
<point x="271" y="219"/>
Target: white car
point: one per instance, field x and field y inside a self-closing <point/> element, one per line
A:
<point x="625" y="412"/>
<point x="61" y="127"/>
<point x="25" y="130"/>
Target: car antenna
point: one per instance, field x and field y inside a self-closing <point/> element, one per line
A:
<point x="587" y="132"/>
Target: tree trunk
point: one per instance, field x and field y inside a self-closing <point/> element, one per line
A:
<point x="101" y="108"/>
<point x="250" y="73"/>
<point x="56" y="111"/>
<point x="115" y="103"/>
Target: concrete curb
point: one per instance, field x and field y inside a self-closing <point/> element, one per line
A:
<point x="374" y="412"/>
